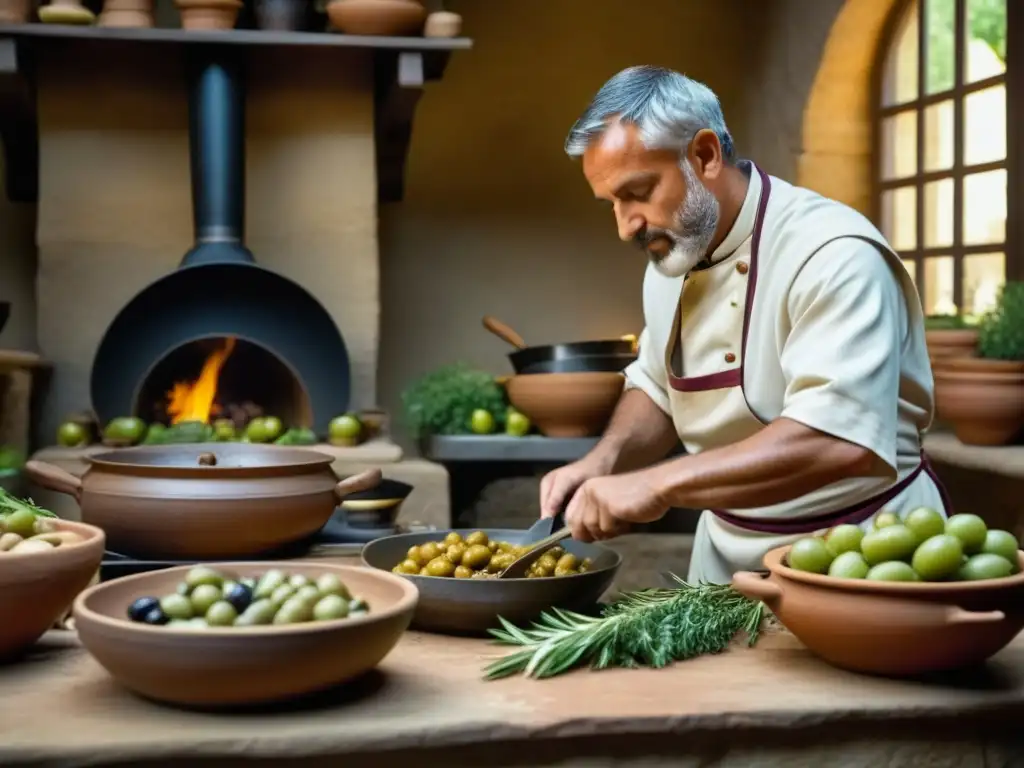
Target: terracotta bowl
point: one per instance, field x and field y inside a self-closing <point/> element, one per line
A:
<point x="566" y="404"/>
<point x="982" y="399"/>
<point x="887" y="628"/>
<point x="241" y="666"/>
<point x="37" y="588"/>
<point x="960" y="342"/>
<point x="377" y="17"/>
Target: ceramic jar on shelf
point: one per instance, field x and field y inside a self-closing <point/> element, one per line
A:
<point x="377" y="17"/>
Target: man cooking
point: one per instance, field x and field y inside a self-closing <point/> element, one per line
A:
<point x="784" y="344"/>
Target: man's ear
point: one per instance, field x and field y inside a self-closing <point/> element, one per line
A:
<point x="705" y="155"/>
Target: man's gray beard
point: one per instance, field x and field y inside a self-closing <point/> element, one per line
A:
<point x="696" y="223"/>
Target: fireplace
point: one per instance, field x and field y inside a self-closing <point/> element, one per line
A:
<point x="263" y="341"/>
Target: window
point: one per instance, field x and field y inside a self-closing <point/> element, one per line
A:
<point x="941" y="158"/>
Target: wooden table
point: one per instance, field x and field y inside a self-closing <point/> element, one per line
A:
<point x="427" y="706"/>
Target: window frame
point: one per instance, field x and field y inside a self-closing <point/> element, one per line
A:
<point x="1013" y="163"/>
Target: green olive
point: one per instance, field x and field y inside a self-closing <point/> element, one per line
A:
<point x="809" y="554"/>
<point x="176" y="607"/>
<point x="221" y="614"/>
<point x="548" y="561"/>
<point x="282" y="593"/>
<point x="203" y="575"/>
<point x="500" y="561"/>
<point x="429" y="551"/>
<point x="1002" y="543"/>
<point x="440" y="566"/>
<point x="308" y="592"/>
<point x="568" y="561"/>
<point x="249" y="582"/>
<point x="849" y="565"/>
<point x="298" y="580"/>
<point x="925" y="523"/>
<point x="476" y="556"/>
<point x="560" y="571"/>
<point x="938" y="558"/>
<point x="844" y="538"/>
<point x="358" y="604"/>
<point x="269" y="582"/>
<point x="258" y="613"/>
<point x="492" y="545"/>
<point x="892" y="542"/>
<point x="463" y="572"/>
<point x="183" y="589"/>
<point x="413" y="554"/>
<point x="477" y="537"/>
<point x="985" y="566"/>
<point x="21" y="522"/>
<point x="409" y="566"/>
<point x="330" y="607"/>
<point x="586" y="565"/>
<point x="453" y="538"/>
<point x="455" y="552"/>
<point x="892" y="570"/>
<point x="970" y="529"/>
<point x="295" y="610"/>
<point x="203" y="597"/>
<point x="330" y="584"/>
<point x="542" y="570"/>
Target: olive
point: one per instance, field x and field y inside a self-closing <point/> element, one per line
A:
<point x="330" y="607"/>
<point x="557" y="553"/>
<point x="221" y="614"/>
<point x="455" y="552"/>
<point x="239" y="595"/>
<point x="21" y="522"/>
<point x="560" y="571"/>
<point x="500" y="561"/>
<point x="295" y="610"/>
<point x="203" y="575"/>
<point x="198" y="623"/>
<point x="586" y="565"/>
<point x="203" y="597"/>
<point x="452" y="538"/>
<point x="183" y="589"/>
<point x="282" y="593"/>
<point x="227" y="585"/>
<point x="43" y="525"/>
<point x="259" y="612"/>
<point x="476" y="556"/>
<point x="249" y="582"/>
<point x="308" y="592"/>
<point x="357" y="614"/>
<point x="492" y="545"/>
<point x="358" y="604"/>
<point x="568" y="562"/>
<point x="542" y="569"/>
<point x="476" y="537"/>
<point x="428" y="552"/>
<point x="177" y="607"/>
<point x="463" y="572"/>
<point x="138" y="610"/>
<point x="409" y="566"/>
<point x="547" y="561"/>
<point x="413" y="554"/>
<point x="329" y="584"/>
<point x="156" y="617"/>
<point x="440" y="566"/>
<point x="269" y="582"/>
<point x="298" y="580"/>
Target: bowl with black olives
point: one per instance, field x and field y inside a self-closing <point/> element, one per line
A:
<point x="243" y="633"/>
<point x="455" y="572"/>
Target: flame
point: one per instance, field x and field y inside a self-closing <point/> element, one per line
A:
<point x="195" y="401"/>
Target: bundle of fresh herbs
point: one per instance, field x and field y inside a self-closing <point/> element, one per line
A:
<point x="443" y="401"/>
<point x="10" y="503"/>
<point x="650" y="628"/>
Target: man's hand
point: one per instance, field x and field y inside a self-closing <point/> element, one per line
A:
<point x="605" y="507"/>
<point x="558" y="486"/>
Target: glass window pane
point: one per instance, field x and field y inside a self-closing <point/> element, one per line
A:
<point x="938" y="286"/>
<point x="941" y="20"/>
<point x="984" y="273"/>
<point x="985" y="208"/>
<point x="899" y="145"/>
<point x="985" y="39"/>
<point x="900" y="81"/>
<point x="899" y="217"/>
<point x="911" y="266"/>
<point x="938" y="136"/>
<point x="985" y="125"/>
<point x="938" y="213"/>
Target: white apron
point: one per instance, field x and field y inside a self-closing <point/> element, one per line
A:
<point x="711" y="411"/>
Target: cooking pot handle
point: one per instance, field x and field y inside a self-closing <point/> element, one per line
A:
<point x="364" y="481"/>
<point x="54" y="478"/>
<point x="758" y="586"/>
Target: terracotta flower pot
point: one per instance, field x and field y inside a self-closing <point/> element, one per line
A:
<point x="127" y="13"/>
<point x="207" y="15"/>
<point x="983" y="400"/>
<point x="377" y="17"/>
<point x="960" y="342"/>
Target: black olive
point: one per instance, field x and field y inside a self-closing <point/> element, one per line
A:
<point x="156" y="616"/>
<point x="239" y="596"/>
<point x="138" y="610"/>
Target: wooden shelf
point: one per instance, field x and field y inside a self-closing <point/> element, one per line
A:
<point x="402" y="66"/>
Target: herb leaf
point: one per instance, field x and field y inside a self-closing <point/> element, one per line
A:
<point x="11" y="503"/>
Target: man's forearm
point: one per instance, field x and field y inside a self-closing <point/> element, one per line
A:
<point x="638" y="435"/>
<point x="782" y="462"/>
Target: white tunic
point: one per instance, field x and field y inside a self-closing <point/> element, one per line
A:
<point x="834" y="340"/>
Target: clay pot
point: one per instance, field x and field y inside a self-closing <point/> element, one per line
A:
<point x="36" y="588"/>
<point x="982" y="400"/>
<point x="171" y="502"/>
<point x="66" y="12"/>
<point x="890" y="628"/>
<point x="207" y="15"/>
<point x="135" y="14"/>
<point x="566" y="404"/>
<point x="952" y="343"/>
<point x="240" y="666"/>
<point x="377" y="17"/>
<point x="377" y="507"/>
<point x="12" y="12"/>
<point x="442" y="24"/>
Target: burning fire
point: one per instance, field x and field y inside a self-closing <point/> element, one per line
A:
<point x="194" y="401"/>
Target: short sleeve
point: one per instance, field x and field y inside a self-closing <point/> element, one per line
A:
<point x="841" y="359"/>
<point x="647" y="373"/>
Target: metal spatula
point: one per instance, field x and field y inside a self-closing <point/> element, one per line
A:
<point x="521" y="566"/>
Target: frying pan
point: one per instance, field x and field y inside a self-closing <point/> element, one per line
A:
<point x="574" y="357"/>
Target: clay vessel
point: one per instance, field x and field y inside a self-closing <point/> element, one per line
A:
<point x="961" y="342"/>
<point x="13" y="12"/>
<point x="982" y="400"/>
<point x="566" y="404"/>
<point x="442" y="24"/>
<point x="234" y="666"/>
<point x="66" y="12"/>
<point x="208" y="15"/>
<point x="890" y="628"/>
<point x="127" y="13"/>
<point x="377" y="17"/>
<point x="164" y="501"/>
<point x="37" y="588"/>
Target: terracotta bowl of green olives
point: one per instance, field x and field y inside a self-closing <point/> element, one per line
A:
<point x="462" y="597"/>
<point x="232" y="634"/>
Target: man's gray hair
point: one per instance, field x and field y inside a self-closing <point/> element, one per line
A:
<point x="668" y="108"/>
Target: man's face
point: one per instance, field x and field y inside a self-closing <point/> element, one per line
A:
<point x="660" y="204"/>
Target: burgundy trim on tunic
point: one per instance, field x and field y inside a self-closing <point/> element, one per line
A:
<point x="733" y="377"/>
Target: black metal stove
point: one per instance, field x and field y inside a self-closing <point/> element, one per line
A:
<point x="219" y="291"/>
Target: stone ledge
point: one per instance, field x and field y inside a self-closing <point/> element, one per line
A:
<point x="943" y="447"/>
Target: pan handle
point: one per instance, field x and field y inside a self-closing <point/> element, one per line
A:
<point x="364" y="481"/>
<point x="53" y="478"/>
<point x="504" y="332"/>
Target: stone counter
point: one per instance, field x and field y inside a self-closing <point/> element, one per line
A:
<point x="427" y="706"/>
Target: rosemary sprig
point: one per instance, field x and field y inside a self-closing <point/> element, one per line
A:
<point x="650" y="628"/>
<point x="11" y="503"/>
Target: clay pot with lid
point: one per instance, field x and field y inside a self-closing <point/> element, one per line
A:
<point x="982" y="400"/>
<point x="890" y="628"/>
<point x="377" y="17"/>
<point x="204" y="501"/>
<point x="208" y="15"/>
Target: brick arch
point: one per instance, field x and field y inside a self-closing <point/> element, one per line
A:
<point x="838" y="121"/>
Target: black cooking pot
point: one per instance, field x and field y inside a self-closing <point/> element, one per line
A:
<point x="575" y="357"/>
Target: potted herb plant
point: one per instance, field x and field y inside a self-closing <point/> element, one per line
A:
<point x="950" y="336"/>
<point x="982" y="397"/>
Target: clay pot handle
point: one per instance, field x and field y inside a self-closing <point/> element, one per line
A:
<point x="504" y="332"/>
<point x="957" y="616"/>
<point x="364" y="481"/>
<point x="54" y="478"/>
<point x="758" y="586"/>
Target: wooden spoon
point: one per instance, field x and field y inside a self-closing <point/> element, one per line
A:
<point x="504" y="332"/>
